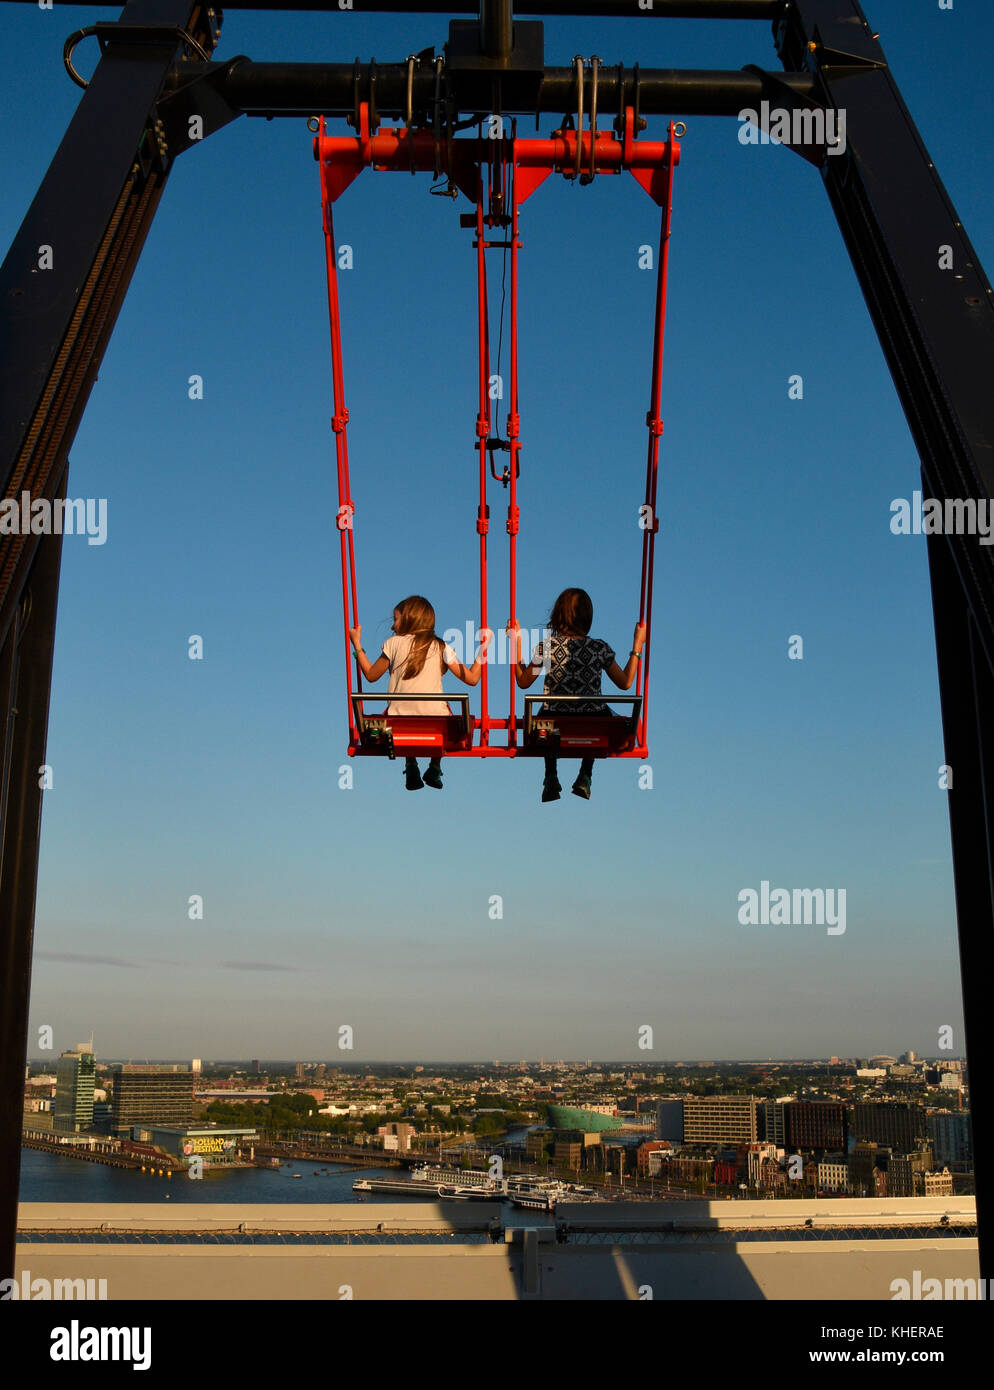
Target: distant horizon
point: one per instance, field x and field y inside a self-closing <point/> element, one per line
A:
<point x="500" y="1062"/>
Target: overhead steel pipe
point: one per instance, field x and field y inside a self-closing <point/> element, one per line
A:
<point x="611" y="9"/>
<point x="333" y="89"/>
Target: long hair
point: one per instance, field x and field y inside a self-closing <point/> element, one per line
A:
<point x="416" y="618"/>
<point x="572" y="613"/>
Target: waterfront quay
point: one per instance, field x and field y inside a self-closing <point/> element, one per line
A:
<point x="354" y="1155"/>
<point x="97" y="1152"/>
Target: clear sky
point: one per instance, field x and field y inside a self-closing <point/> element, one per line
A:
<point x="370" y="907"/>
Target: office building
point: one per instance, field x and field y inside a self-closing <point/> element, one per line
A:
<point x="719" y="1120"/>
<point x="895" y="1124"/>
<point x="151" y="1096"/>
<point x="815" y="1124"/>
<point x="75" y="1081"/>
<point x="669" y="1120"/>
<point x="771" y="1122"/>
<point x="952" y="1137"/>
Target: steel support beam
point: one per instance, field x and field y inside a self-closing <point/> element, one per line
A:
<point x="966" y="690"/>
<point x="609" y="9"/>
<point x="25" y="682"/>
<point x="936" y="328"/>
<point x="304" y="89"/>
<point x="93" y="211"/>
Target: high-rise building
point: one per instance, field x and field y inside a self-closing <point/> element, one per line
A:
<point x="669" y="1120"/>
<point x="771" y="1122"/>
<point x="151" y="1095"/>
<point x="896" y="1124"/>
<point x="196" y="1065"/>
<point x="75" y="1079"/>
<point x="254" y="1065"/>
<point x="815" y="1124"/>
<point x="952" y="1139"/>
<point x="719" y="1120"/>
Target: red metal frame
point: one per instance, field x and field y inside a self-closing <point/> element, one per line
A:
<point x="517" y="167"/>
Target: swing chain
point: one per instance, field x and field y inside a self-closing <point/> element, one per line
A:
<point x="589" y="177"/>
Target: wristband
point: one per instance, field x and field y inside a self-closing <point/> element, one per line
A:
<point x="636" y="655"/>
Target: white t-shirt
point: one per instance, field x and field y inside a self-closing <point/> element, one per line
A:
<point x="428" y="679"/>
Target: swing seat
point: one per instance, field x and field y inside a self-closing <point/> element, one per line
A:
<point x="413" y="735"/>
<point x="561" y="732"/>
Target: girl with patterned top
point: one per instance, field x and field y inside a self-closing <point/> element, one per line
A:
<point x="573" y="663"/>
<point x="415" y="657"/>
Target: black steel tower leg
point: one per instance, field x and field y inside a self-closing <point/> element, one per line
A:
<point x="25" y="677"/>
<point x="94" y="209"/>
<point x="966" y="688"/>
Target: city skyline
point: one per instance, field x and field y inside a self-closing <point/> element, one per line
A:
<point x="701" y="1060"/>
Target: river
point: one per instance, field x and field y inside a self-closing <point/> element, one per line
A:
<point x="49" y="1177"/>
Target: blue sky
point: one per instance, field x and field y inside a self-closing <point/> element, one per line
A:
<point x="369" y="907"/>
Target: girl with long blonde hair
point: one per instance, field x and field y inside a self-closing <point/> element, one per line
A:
<point x="416" y="658"/>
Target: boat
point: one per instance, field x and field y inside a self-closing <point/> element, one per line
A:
<point x="542" y="1194"/>
<point x="534" y="1201"/>
<point x="425" y="1191"/>
<point x="400" y="1186"/>
<point x="464" y="1194"/>
<point x="459" y="1177"/>
<point x="296" y="1176"/>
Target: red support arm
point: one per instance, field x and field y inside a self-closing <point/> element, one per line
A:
<point x="483" y="434"/>
<point x="650" y="519"/>
<point x="346" y="507"/>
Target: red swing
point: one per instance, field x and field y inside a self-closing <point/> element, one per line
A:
<point x="514" y="169"/>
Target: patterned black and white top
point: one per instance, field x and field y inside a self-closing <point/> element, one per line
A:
<point x="575" y="668"/>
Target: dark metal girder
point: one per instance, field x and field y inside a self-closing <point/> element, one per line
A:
<point x="608" y="9"/>
<point x="25" y="690"/>
<point x="936" y="328"/>
<point x="305" y="89"/>
<point x="93" y="209"/>
<point x="966" y="691"/>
